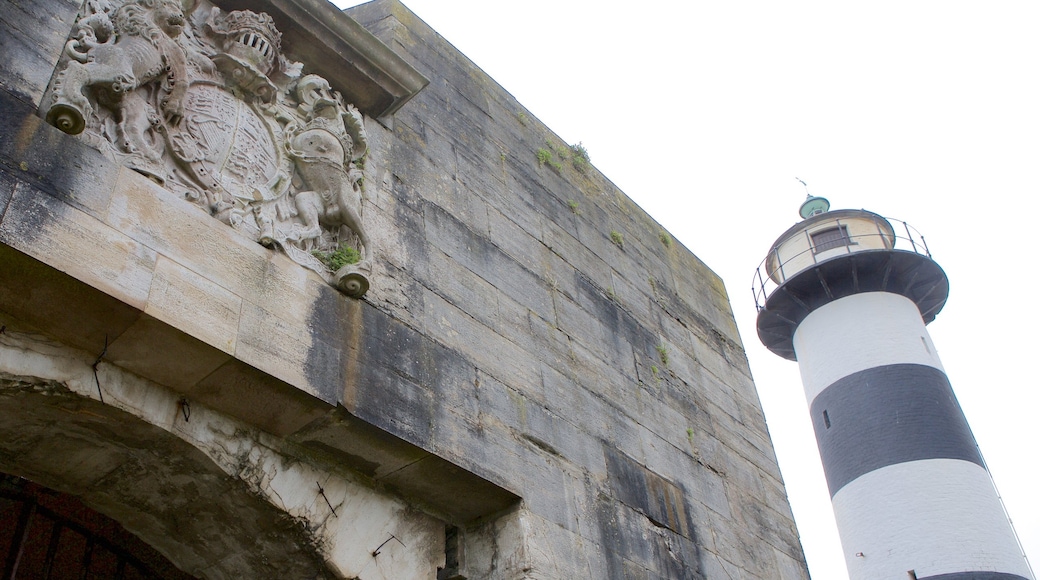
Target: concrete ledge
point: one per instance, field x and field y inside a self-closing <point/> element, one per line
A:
<point x="438" y="485"/>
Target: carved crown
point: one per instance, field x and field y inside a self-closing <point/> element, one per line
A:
<point x="250" y="36"/>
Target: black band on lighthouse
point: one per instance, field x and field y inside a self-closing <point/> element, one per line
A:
<point x="888" y="415"/>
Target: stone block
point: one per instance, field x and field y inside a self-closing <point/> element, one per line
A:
<point x="512" y="200"/>
<point x="462" y="200"/>
<point x="257" y="398"/>
<point x="636" y="540"/>
<point x="790" y="566"/>
<point x="518" y="243"/>
<point x="273" y="344"/>
<point x="605" y="305"/>
<point x="404" y="467"/>
<point x="582" y="259"/>
<point x="85" y="461"/>
<point x="660" y="500"/>
<point x="702" y="292"/>
<point x="62" y="237"/>
<point x="58" y="304"/>
<point x="393" y="403"/>
<point x="482" y="256"/>
<point x="544" y="191"/>
<point x="391" y="344"/>
<point x="195" y="305"/>
<point x="176" y="228"/>
<point x="418" y="154"/>
<point x="550" y="344"/>
<point x="708" y="485"/>
<point x="402" y="242"/>
<point x="161" y="353"/>
<point x="7" y="185"/>
<point x="606" y="339"/>
<point x="515" y="322"/>
<point x="635" y="296"/>
<point x="441" y="483"/>
<point x="463" y="288"/>
<point x="53" y="162"/>
<point x="488" y="350"/>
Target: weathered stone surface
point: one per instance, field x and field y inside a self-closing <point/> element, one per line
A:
<point x="56" y="233"/>
<point x="574" y="404"/>
<point x="31" y="43"/>
<point x="67" y="308"/>
<point x="181" y="325"/>
<point x="611" y="308"/>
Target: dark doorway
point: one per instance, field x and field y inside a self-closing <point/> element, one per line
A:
<point x="46" y="534"/>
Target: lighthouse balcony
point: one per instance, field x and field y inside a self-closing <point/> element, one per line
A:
<point x="828" y="236"/>
<point x="838" y="254"/>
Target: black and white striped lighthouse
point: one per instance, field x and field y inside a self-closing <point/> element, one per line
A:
<point x="847" y="294"/>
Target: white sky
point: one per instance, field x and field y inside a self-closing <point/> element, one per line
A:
<point x="704" y="113"/>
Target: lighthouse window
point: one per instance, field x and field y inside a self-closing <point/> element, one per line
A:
<point x="829" y="239"/>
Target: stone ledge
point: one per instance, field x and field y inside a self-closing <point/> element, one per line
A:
<point x="367" y="72"/>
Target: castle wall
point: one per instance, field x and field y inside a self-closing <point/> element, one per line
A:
<point x="537" y="364"/>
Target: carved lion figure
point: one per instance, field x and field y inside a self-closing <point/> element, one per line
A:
<point x="111" y="58"/>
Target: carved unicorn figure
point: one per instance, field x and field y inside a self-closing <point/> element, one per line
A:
<point x="324" y="150"/>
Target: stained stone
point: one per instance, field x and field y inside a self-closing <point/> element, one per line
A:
<point x="494" y="389"/>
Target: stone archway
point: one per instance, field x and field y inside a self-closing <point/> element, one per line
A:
<point x="157" y="486"/>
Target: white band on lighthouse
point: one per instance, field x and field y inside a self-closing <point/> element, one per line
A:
<point x="935" y="517"/>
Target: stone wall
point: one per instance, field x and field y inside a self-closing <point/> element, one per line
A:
<point x="538" y="368"/>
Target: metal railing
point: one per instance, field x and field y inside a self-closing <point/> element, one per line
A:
<point x="763" y="284"/>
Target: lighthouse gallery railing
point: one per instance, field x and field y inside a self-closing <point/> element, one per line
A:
<point x="763" y="284"/>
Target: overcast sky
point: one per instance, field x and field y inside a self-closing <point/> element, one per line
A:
<point x="705" y="112"/>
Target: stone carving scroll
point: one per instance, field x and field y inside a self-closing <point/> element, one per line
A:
<point x="204" y="103"/>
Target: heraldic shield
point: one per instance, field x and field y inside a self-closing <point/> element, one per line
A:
<point x="204" y="103"/>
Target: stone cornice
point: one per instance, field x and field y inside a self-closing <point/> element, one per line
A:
<point x="331" y="44"/>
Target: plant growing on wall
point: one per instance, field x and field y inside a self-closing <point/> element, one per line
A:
<point x="617" y="239"/>
<point x="545" y="157"/>
<point x="580" y="157"/>
<point x="343" y="256"/>
<point x="576" y="154"/>
<point x="662" y="352"/>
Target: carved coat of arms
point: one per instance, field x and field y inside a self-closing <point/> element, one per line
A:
<point x="204" y="103"/>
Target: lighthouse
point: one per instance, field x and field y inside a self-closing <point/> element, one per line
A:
<point x="847" y="293"/>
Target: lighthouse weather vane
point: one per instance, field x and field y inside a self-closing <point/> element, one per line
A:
<point x="805" y="185"/>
